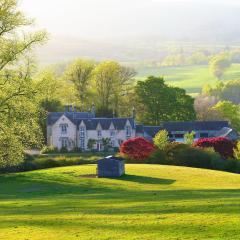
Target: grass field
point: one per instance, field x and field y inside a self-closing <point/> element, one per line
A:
<point x="192" y="78"/>
<point x="150" y="202"/>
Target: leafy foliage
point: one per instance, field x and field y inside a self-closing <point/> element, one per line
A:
<point x="221" y="145"/>
<point x="19" y="114"/>
<point x="229" y="111"/>
<point x="158" y="102"/>
<point x="237" y="151"/>
<point x="189" y="138"/>
<point x="219" y="64"/>
<point x="137" y="148"/>
<point x="161" y="139"/>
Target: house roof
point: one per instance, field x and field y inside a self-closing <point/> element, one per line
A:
<point x="195" y="126"/>
<point x="73" y="116"/>
<point x="183" y="126"/>
<point x="90" y="121"/>
<point x="151" y="131"/>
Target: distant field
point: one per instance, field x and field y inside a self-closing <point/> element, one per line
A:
<point x="151" y="202"/>
<point x="191" y="78"/>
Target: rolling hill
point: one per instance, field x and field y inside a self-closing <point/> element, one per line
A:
<point x="150" y="202"/>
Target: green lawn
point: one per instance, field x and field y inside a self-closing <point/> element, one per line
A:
<point x="150" y="202"/>
<point x="192" y="78"/>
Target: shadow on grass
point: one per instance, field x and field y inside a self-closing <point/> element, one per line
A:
<point x="146" y="180"/>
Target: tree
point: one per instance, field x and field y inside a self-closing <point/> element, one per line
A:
<point x="80" y="73"/>
<point x="203" y="106"/>
<point x="189" y="138"/>
<point x="123" y="89"/>
<point x="19" y="127"/>
<point x="221" y="145"/>
<point x="231" y="91"/>
<point x="48" y="88"/>
<point x="106" y="143"/>
<point x="219" y="64"/>
<point x="137" y="148"/>
<point x="113" y="82"/>
<point x="157" y="102"/>
<point x="161" y="139"/>
<point x="91" y="143"/>
<point x="230" y="112"/>
<point x="106" y="76"/>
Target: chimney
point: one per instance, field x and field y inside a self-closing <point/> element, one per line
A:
<point x="70" y="108"/>
<point x="75" y="109"/>
<point x="133" y="113"/>
<point x="66" y="108"/>
<point x="93" y="110"/>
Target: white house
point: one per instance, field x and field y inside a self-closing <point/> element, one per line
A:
<point x="71" y="129"/>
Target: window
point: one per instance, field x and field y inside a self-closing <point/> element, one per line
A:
<point x="82" y="132"/>
<point x="99" y="146"/>
<point x="203" y="135"/>
<point x="128" y="131"/>
<point x="99" y="133"/>
<point x="113" y="143"/>
<point x="82" y="137"/>
<point x="64" y="142"/>
<point x="112" y="133"/>
<point x="179" y="135"/>
<point x="63" y="128"/>
<point x="82" y="143"/>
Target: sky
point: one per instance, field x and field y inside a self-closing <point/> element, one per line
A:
<point x="103" y="19"/>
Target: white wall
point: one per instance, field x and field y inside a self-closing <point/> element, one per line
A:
<point x="57" y="134"/>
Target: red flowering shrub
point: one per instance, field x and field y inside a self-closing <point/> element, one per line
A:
<point x="137" y="148"/>
<point x="221" y="145"/>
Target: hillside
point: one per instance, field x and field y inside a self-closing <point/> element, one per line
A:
<point x="150" y="202"/>
<point x="191" y="78"/>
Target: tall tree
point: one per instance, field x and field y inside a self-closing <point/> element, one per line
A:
<point x="113" y="83"/>
<point x="79" y="72"/>
<point x="203" y="106"/>
<point x="122" y="89"/>
<point x="219" y="64"/>
<point x="158" y="102"/>
<point x="230" y="112"/>
<point x="106" y="76"/>
<point x="18" y="112"/>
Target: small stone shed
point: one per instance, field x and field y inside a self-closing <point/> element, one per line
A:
<point x="111" y="167"/>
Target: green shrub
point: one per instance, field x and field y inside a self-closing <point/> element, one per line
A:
<point x="161" y="139"/>
<point x="63" y="150"/>
<point x="232" y="165"/>
<point x="185" y="155"/>
<point x="158" y="157"/>
<point x="49" y="149"/>
<point x="189" y="138"/>
<point x="236" y="151"/>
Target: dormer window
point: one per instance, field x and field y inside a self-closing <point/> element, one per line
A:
<point x="63" y="128"/>
<point x="128" y="131"/>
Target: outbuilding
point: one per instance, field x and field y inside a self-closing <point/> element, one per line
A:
<point x="111" y="167"/>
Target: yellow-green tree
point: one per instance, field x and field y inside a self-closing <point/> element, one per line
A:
<point x="19" y="127"/>
<point x="161" y="139"/>
<point x="230" y="112"/>
<point x="80" y="73"/>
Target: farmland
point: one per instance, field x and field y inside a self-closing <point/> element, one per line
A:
<point x="191" y="78"/>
